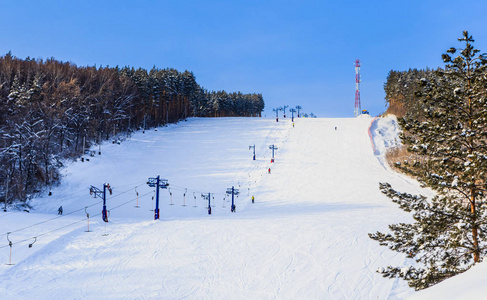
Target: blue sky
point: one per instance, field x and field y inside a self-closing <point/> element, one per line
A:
<point x="293" y="52"/>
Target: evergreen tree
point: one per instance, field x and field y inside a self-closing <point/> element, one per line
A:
<point x="448" y="234"/>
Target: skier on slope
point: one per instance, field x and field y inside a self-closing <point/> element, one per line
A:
<point x="252" y="198"/>
<point x="60" y="210"/>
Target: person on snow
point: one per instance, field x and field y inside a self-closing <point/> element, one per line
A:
<point x="269" y="171"/>
<point x="60" y="210"/>
<point x="252" y="198"/>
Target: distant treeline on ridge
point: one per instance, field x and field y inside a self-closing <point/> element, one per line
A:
<point x="50" y="110"/>
<point x="401" y="88"/>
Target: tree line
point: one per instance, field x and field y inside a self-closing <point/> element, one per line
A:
<point x="52" y="110"/>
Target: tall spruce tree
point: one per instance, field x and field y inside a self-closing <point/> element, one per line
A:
<point x="449" y="155"/>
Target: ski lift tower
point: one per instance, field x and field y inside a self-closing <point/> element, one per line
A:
<point x="207" y="197"/>
<point x="102" y="195"/>
<point x="357" y="109"/>
<point x="292" y="110"/>
<point x="233" y="191"/>
<point x="272" y="147"/>
<point x="277" y="109"/>
<point x="284" y="108"/>
<point x="158" y="183"/>
<point x="298" y="107"/>
<point x="252" y="147"/>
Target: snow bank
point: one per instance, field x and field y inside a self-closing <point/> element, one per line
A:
<point x="384" y="132"/>
<point x="468" y="285"/>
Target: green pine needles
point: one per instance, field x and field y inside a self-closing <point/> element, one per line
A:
<point x="449" y="155"/>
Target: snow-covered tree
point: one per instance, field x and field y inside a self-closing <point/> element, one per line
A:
<point x="449" y="155"/>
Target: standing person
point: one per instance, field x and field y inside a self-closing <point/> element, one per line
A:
<point x="252" y="198"/>
<point x="269" y="171"/>
<point x="60" y="210"/>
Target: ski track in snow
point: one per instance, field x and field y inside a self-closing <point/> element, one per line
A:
<point x="305" y="237"/>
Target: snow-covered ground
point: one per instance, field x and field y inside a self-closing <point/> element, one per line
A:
<point x="305" y="237"/>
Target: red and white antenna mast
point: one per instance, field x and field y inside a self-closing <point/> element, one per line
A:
<point x="357" y="109"/>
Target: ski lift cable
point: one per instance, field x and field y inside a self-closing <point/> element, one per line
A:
<point x="82" y="192"/>
<point x="130" y="201"/>
<point x="180" y="188"/>
<point x="131" y="184"/>
<point x="125" y="192"/>
<point x="63" y="215"/>
<point x="48" y="220"/>
<point x="193" y="190"/>
<point x="45" y="233"/>
<point x="66" y="214"/>
<point x="68" y="225"/>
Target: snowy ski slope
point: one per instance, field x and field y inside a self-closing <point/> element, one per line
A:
<point x="305" y="237"/>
